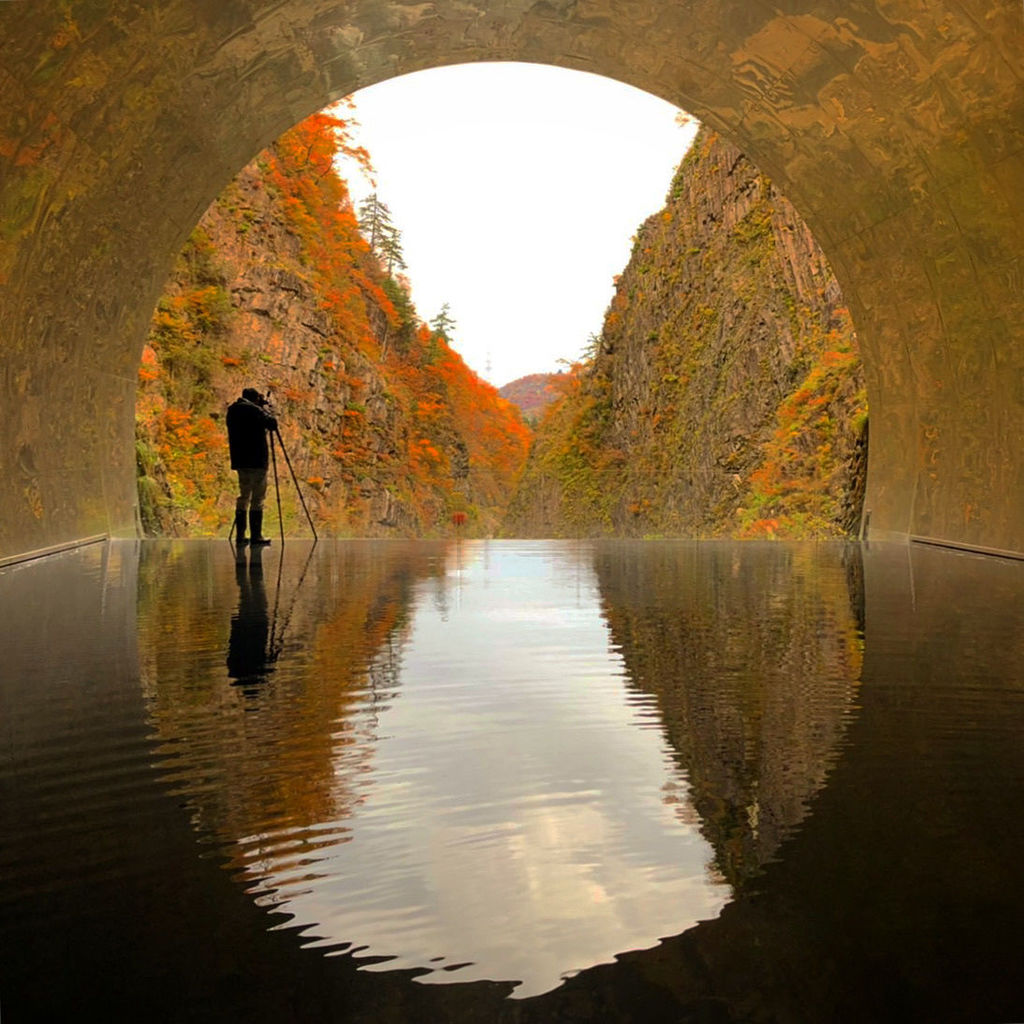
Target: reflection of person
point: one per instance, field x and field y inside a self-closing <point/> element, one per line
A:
<point x="248" y="423"/>
<point x="248" y="650"/>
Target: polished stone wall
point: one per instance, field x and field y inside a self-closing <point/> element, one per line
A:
<point x="896" y="127"/>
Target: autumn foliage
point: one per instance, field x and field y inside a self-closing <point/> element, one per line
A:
<point x="389" y="430"/>
<point x="724" y="395"/>
<point x="532" y="394"/>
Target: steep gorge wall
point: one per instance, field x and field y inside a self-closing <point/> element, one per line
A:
<point x="725" y="394"/>
<point x="388" y="431"/>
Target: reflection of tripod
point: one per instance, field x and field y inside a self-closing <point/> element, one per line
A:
<point x="257" y="639"/>
<point x="275" y="433"/>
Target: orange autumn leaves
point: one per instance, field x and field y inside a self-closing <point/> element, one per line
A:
<point x="315" y="200"/>
<point x="382" y="413"/>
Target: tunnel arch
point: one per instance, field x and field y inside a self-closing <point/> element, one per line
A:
<point x="895" y="128"/>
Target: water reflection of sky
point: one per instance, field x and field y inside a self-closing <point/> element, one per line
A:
<point x="521" y="816"/>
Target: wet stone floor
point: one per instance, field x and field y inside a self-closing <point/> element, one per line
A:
<point x="517" y="781"/>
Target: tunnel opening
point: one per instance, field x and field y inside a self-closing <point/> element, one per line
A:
<point x="275" y="288"/>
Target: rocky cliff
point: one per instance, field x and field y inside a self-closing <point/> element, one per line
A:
<point x="388" y="431"/>
<point x="724" y="395"/>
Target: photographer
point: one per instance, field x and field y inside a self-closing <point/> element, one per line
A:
<point x="248" y="422"/>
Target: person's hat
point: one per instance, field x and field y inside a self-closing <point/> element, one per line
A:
<point x="252" y="395"/>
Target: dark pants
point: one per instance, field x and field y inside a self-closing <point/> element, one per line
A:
<point x="252" y="489"/>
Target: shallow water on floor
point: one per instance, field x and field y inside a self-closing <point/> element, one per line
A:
<point x="512" y="780"/>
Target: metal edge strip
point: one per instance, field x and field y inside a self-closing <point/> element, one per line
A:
<point x="976" y="549"/>
<point x="56" y="549"/>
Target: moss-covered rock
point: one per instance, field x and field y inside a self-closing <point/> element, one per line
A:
<point x="725" y="394"/>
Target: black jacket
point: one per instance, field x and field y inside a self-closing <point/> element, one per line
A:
<point x="247" y="435"/>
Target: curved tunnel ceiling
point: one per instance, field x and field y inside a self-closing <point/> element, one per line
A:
<point x="896" y="128"/>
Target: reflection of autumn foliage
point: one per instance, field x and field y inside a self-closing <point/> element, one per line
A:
<point x="757" y="712"/>
<point x="277" y="288"/>
<point x="271" y="762"/>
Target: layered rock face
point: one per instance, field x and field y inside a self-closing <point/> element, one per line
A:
<point x="725" y="394"/>
<point x="389" y="433"/>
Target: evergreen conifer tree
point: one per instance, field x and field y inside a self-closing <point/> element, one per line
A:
<point x="443" y="324"/>
<point x="390" y="250"/>
<point x="384" y="238"/>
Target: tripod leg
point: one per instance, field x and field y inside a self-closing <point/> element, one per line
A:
<point x="277" y="489"/>
<point x="284" y="452"/>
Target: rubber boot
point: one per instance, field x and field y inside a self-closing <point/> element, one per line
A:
<point x="240" y="527"/>
<point x="256" y="527"/>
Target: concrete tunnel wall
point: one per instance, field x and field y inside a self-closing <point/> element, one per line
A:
<point x="896" y="127"/>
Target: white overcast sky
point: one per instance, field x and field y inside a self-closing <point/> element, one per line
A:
<point x="517" y="189"/>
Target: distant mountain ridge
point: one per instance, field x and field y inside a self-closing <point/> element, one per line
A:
<point x="532" y="393"/>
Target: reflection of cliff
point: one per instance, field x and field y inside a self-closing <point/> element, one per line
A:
<point x="256" y="756"/>
<point x="899" y="899"/>
<point x="754" y="656"/>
